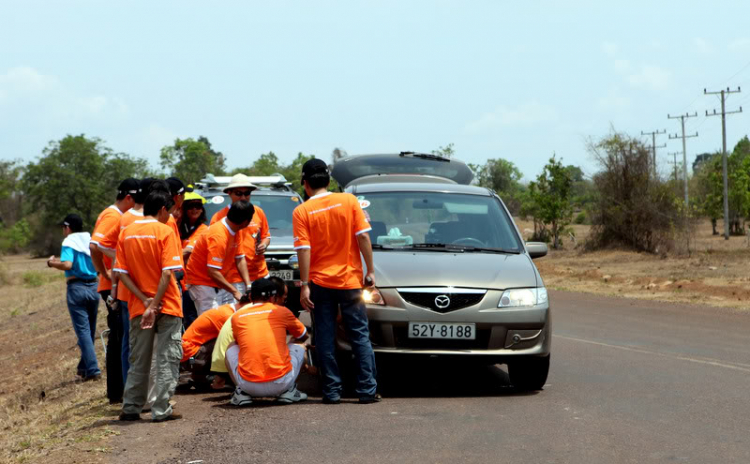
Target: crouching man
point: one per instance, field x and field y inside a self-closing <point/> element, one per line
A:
<point x="260" y="362"/>
<point x="199" y="339"/>
<point x="148" y="252"/>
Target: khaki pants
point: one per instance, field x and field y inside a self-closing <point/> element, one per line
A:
<point x="168" y="349"/>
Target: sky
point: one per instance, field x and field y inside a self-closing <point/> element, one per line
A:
<point x="498" y="79"/>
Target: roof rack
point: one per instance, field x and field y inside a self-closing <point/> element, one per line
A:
<point x="431" y="156"/>
<point x="275" y="180"/>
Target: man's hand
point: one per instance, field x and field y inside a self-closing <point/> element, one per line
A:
<point x="237" y="295"/>
<point x="112" y="303"/>
<point x="51" y="258"/>
<point x="370" y="280"/>
<point x="304" y="298"/>
<point x="260" y="248"/>
<point x="148" y="318"/>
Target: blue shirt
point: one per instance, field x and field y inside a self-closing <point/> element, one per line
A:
<point x="83" y="267"/>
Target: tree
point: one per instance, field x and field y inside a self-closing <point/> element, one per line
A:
<point x="74" y="175"/>
<point x="190" y="160"/>
<point x="268" y="164"/>
<point x="550" y="200"/>
<point x="446" y="151"/>
<point x="503" y="177"/>
<point x="10" y="191"/>
<point x="633" y="207"/>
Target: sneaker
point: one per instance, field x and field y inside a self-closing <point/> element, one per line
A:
<point x="171" y="417"/>
<point x="376" y="398"/>
<point x="292" y="396"/>
<point x="129" y="417"/>
<point x="240" y="398"/>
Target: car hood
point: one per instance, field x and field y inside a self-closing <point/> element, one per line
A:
<point x="439" y="269"/>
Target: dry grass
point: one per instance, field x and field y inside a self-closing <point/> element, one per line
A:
<point x="715" y="273"/>
<point x="44" y="415"/>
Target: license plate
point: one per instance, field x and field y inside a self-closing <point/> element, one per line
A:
<point x="284" y="274"/>
<point x="452" y="331"/>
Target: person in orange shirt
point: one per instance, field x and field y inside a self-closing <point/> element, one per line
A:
<point x="119" y="296"/>
<point x="329" y="235"/>
<point x="108" y="221"/>
<point x="260" y="362"/>
<point x="257" y="236"/>
<point x="191" y="227"/>
<point x="198" y="342"/>
<point x="217" y="271"/>
<point x="147" y="255"/>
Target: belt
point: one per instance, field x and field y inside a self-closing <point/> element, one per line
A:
<point x="83" y="281"/>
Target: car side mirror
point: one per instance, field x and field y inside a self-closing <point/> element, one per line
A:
<point x="536" y="249"/>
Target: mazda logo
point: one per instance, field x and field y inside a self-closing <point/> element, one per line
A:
<point x="442" y="301"/>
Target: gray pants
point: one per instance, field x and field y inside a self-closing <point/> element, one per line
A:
<point x="168" y="349"/>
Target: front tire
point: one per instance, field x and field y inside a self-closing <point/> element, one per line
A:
<point x="529" y="373"/>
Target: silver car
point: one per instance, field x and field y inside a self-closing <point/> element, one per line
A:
<point x="454" y="277"/>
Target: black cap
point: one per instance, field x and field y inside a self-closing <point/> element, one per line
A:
<point x="73" y="221"/>
<point x="176" y="186"/>
<point x="262" y="289"/>
<point x="314" y="166"/>
<point x="128" y="186"/>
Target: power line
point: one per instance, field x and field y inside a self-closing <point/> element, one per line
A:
<point x="724" y="113"/>
<point x="682" y="118"/>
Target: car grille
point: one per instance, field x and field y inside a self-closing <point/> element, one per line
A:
<point x="457" y="300"/>
<point x="402" y="340"/>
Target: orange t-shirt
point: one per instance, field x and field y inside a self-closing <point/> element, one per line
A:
<point x="145" y="249"/>
<point x="260" y="331"/>
<point x="189" y="243"/>
<point x="108" y="220"/>
<point x="256" y="231"/>
<point x="328" y="224"/>
<point x="205" y="329"/>
<point x="218" y="249"/>
<point x="110" y="242"/>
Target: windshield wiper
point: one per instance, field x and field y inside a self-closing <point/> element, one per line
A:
<point x="376" y="246"/>
<point x="488" y="250"/>
<point x="449" y="247"/>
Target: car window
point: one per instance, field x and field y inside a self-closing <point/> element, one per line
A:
<point x="409" y="218"/>
<point x="278" y="211"/>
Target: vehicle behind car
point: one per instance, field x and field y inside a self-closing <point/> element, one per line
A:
<point x="277" y="199"/>
<point x="454" y="278"/>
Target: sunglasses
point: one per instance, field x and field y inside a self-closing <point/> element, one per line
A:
<point x="245" y="193"/>
<point x="195" y="206"/>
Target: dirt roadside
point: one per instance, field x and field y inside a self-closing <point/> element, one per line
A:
<point x="715" y="273"/>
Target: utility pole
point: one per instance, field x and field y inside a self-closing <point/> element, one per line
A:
<point x="676" y="179"/>
<point x="724" y="114"/>
<point x="684" y="153"/>
<point x="653" y="144"/>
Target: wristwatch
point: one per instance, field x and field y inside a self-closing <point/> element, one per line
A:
<point x="303" y="283"/>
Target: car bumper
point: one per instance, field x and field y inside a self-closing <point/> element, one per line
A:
<point x="500" y="333"/>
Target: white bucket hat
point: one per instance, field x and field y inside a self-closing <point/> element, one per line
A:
<point x="239" y="181"/>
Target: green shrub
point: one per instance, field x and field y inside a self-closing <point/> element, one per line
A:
<point x="34" y="279"/>
<point x="15" y="238"/>
<point x="580" y="218"/>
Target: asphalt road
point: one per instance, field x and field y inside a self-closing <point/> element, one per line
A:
<point x="630" y="382"/>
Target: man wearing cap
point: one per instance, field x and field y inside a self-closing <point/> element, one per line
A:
<point x="83" y="301"/>
<point x="257" y="236"/>
<point x="108" y="220"/>
<point x="147" y="255"/>
<point x="329" y="235"/>
<point x="217" y="262"/>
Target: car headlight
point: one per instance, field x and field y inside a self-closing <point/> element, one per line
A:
<point x="373" y="296"/>
<point x="293" y="262"/>
<point x="523" y="297"/>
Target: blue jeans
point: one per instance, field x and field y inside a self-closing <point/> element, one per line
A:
<point x="327" y="302"/>
<point x="125" y="349"/>
<point x="83" y="305"/>
<point x="189" y="311"/>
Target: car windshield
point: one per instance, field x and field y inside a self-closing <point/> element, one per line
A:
<point x="278" y="209"/>
<point x="425" y="220"/>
